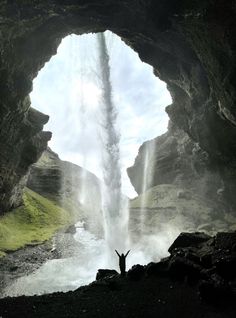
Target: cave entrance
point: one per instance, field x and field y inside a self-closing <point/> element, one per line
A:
<point x="67" y="90"/>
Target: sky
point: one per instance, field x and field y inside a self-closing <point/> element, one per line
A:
<point x="67" y="89"/>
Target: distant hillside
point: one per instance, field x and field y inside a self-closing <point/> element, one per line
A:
<point x="68" y="184"/>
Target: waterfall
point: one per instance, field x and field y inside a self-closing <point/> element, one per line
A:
<point x="115" y="225"/>
<point x="147" y="178"/>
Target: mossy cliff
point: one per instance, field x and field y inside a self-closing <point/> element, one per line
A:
<point x="32" y="223"/>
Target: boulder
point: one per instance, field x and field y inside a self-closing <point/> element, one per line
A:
<point x="189" y="240"/>
<point x="136" y="272"/>
<point x="157" y="268"/>
<point x="180" y="268"/>
<point x="226" y="266"/>
<point x="105" y="273"/>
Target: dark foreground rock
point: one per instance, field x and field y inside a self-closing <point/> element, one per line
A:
<point x="182" y="285"/>
<point x="188" y="239"/>
<point x="149" y="297"/>
<point x="105" y="273"/>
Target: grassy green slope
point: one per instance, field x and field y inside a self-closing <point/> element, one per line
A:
<point x="32" y="223"/>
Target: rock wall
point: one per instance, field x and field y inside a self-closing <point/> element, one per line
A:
<point x="70" y="186"/>
<point x="190" y="44"/>
<point x="22" y="142"/>
<point x="175" y="159"/>
<point x="57" y="179"/>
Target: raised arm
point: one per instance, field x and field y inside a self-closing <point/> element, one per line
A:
<point x="117" y="253"/>
<point x="127" y="253"/>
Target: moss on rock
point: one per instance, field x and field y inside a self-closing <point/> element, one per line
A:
<point x="32" y="223"/>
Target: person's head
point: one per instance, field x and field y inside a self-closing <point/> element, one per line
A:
<point x="122" y="255"/>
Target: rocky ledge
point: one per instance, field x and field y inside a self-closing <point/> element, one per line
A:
<point x="198" y="279"/>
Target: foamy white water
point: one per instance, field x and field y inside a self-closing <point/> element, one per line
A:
<point x="64" y="274"/>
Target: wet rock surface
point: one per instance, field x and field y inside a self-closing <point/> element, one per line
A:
<point x="181" y="285"/>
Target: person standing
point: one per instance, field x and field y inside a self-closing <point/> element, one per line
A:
<point x="122" y="262"/>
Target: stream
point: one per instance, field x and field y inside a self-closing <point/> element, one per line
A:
<point x="67" y="273"/>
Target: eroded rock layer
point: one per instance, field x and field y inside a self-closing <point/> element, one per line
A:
<point x="60" y="180"/>
<point x="190" y="44"/>
<point x="175" y="159"/>
<point x="72" y="187"/>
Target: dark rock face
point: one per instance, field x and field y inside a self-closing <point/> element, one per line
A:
<point x="190" y="44"/>
<point x="216" y="277"/>
<point x="136" y="272"/>
<point x="189" y="240"/>
<point x="157" y="268"/>
<point x="21" y="144"/>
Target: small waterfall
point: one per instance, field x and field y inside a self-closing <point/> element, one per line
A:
<point x="113" y="207"/>
<point x="147" y="179"/>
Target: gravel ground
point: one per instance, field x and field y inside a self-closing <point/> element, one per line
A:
<point x="27" y="260"/>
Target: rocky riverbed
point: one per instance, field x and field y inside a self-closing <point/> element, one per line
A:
<point x="28" y="259"/>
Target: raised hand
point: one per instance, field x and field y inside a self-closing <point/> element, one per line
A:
<point x="127" y="253"/>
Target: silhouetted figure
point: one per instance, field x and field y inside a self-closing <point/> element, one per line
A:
<point x="122" y="264"/>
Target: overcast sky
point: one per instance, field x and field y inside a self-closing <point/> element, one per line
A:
<point x="68" y="90"/>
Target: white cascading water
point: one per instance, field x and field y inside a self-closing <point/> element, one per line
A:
<point x="147" y="179"/>
<point x="113" y="204"/>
